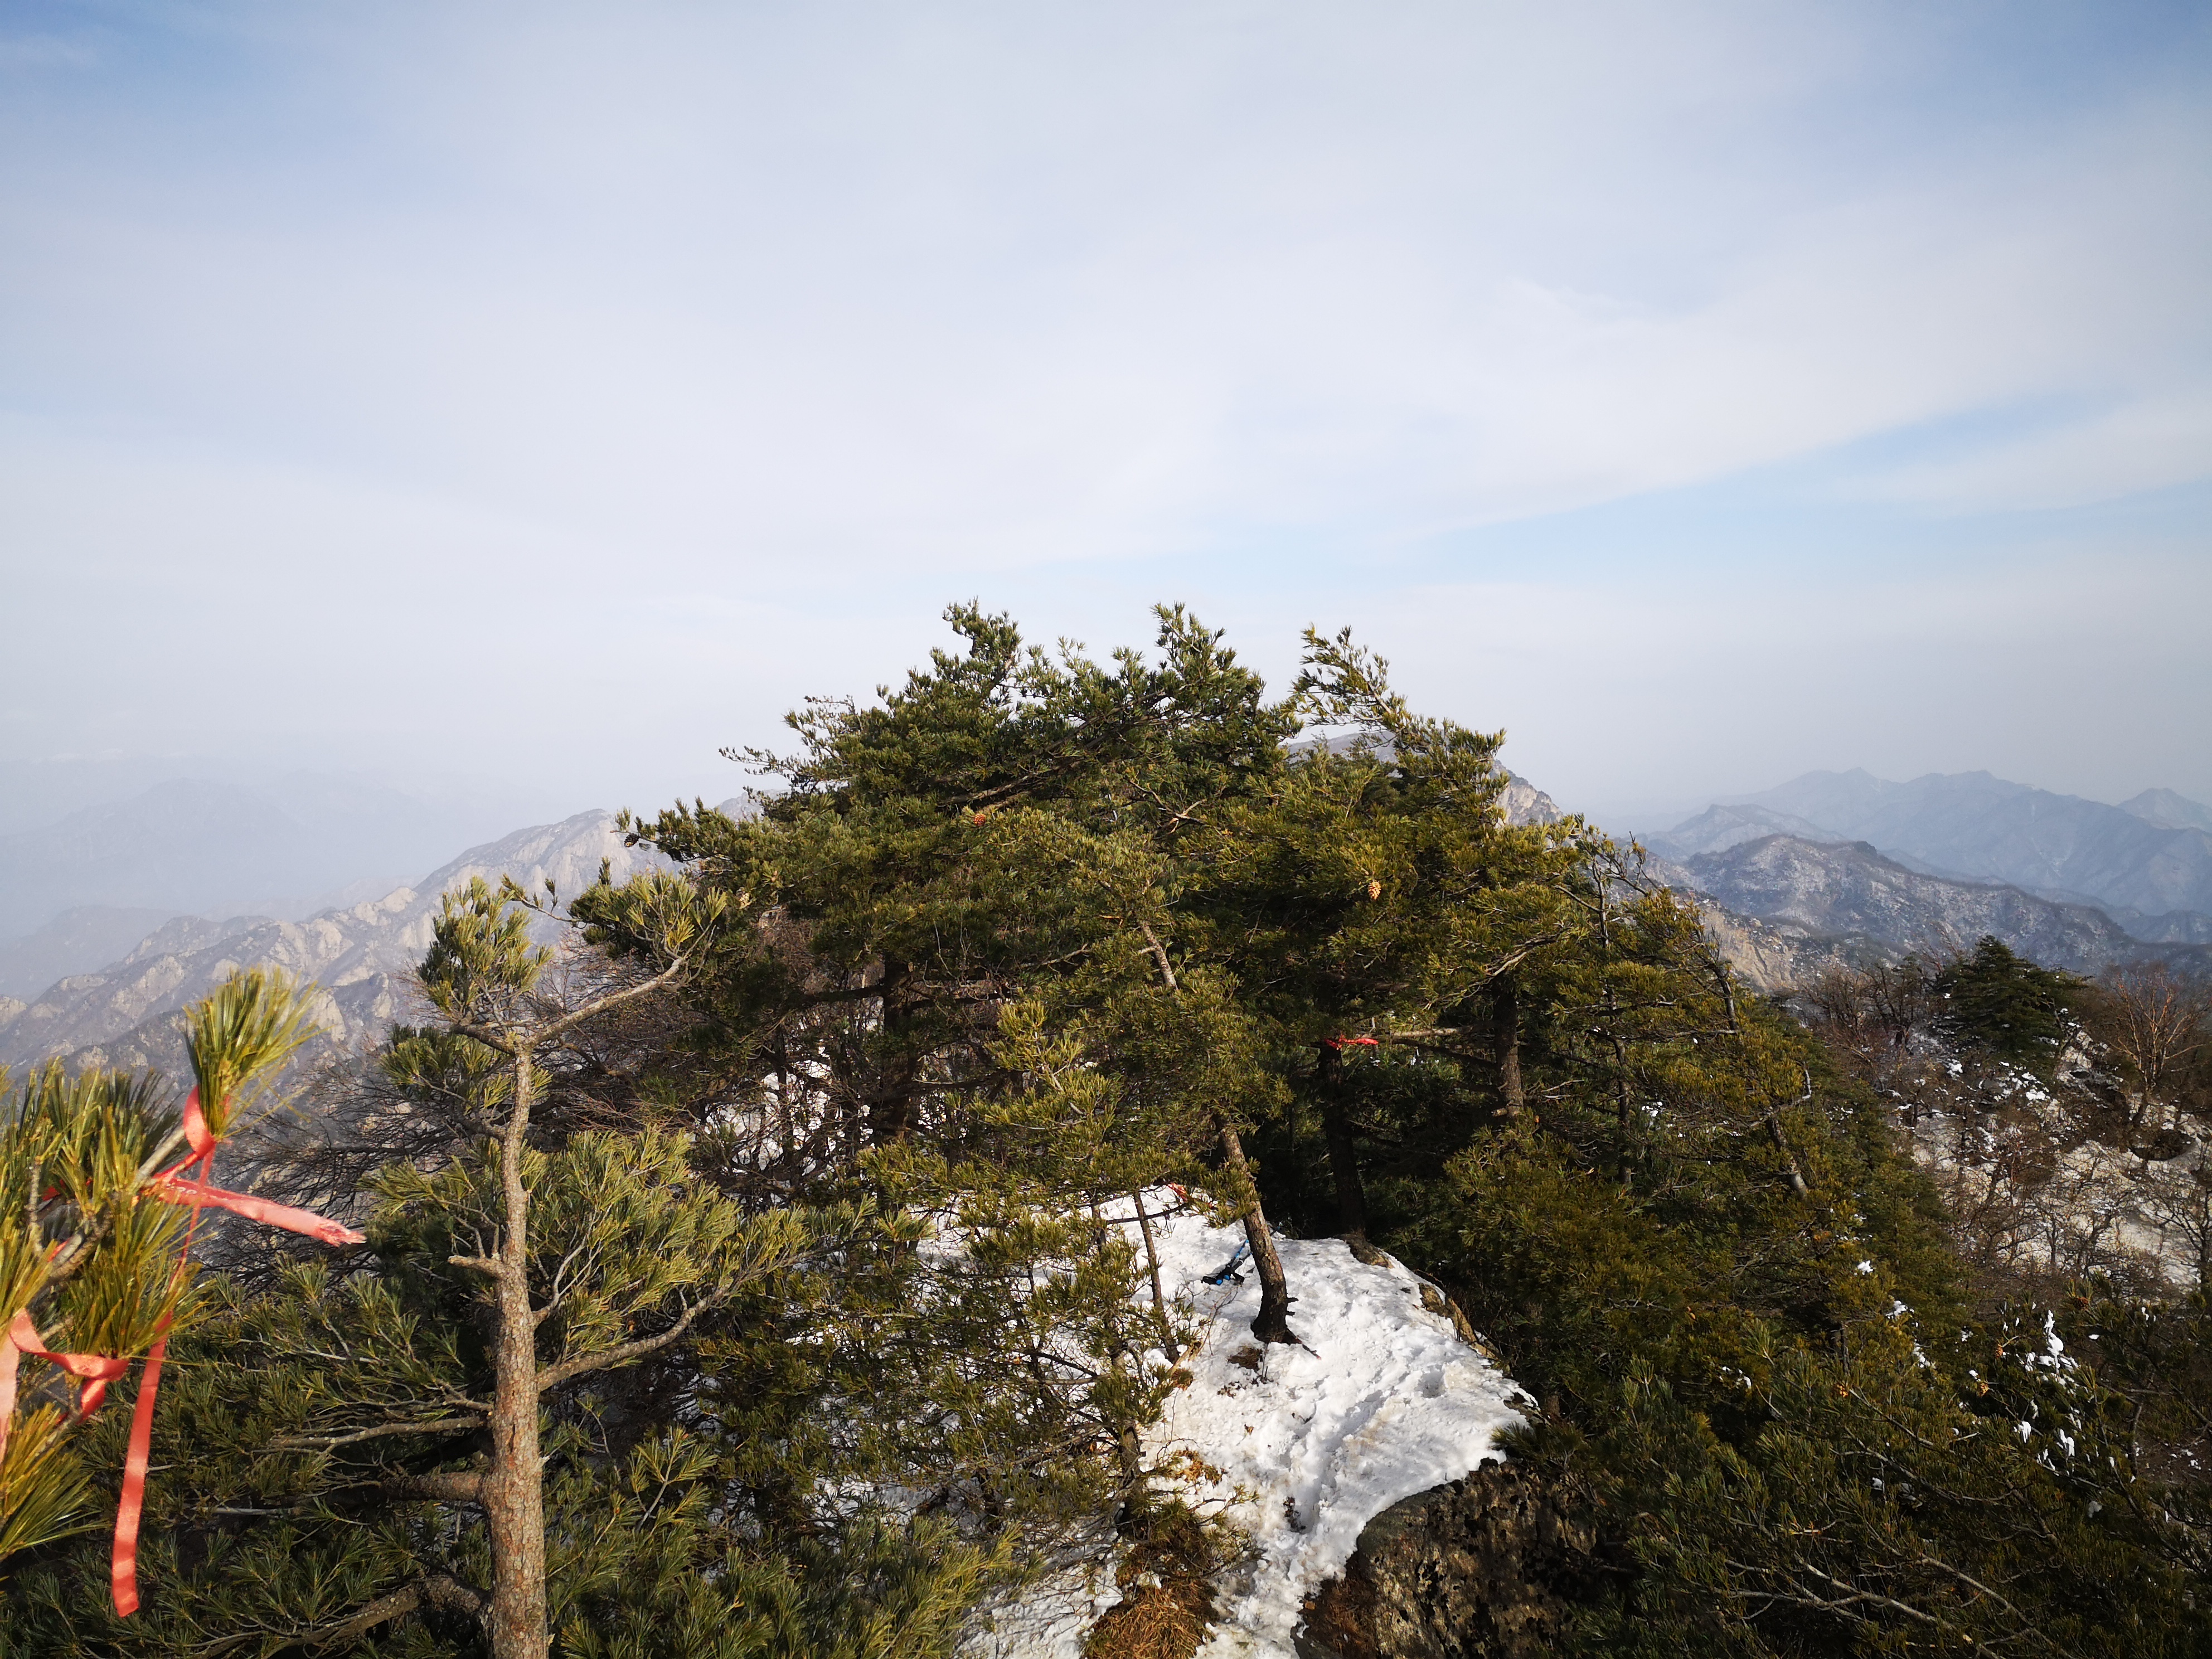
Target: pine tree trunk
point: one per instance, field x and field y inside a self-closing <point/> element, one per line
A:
<point x="1272" y="1323"/>
<point x="513" y="1486"/>
<point x="1343" y="1155"/>
<point x="1152" y="1263"/>
<point x="1505" y="1046"/>
<point x="891" y="1109"/>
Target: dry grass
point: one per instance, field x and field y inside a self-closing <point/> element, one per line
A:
<point x="1167" y="1592"/>
<point x="1160" y="1621"/>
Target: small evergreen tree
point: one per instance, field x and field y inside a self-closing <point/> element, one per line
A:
<point x="2004" y="1004"/>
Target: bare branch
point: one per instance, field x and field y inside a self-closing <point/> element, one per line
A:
<point x="574" y="1018"/>
<point x="553" y="1377"/>
<point x="331" y="1442"/>
<point x="1159" y="953"/>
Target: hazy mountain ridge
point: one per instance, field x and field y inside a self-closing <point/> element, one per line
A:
<point x="2169" y="810"/>
<point x="2150" y="858"/>
<point x="1784" y="908"/>
<point x="221" y="842"/>
<point x="362" y="955"/>
<point x="78" y="939"/>
<point x="1718" y="828"/>
<point x="1836" y="867"/>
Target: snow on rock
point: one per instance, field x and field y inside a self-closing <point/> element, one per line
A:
<point x="1381" y="1400"/>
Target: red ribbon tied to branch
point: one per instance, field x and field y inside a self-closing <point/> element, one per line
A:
<point x="168" y="1187"/>
<point x="1350" y="1043"/>
<point x="96" y="1371"/>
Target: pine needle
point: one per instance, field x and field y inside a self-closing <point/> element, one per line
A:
<point x="241" y="1035"/>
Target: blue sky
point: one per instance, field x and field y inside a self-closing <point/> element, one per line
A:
<point x="1704" y="393"/>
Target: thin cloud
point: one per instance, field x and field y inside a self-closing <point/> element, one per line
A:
<point x="365" y="323"/>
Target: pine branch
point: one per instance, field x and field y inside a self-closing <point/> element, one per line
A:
<point x="441" y="1591"/>
<point x="586" y="1363"/>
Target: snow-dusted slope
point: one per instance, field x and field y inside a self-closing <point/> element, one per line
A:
<point x="1381" y="1400"/>
<point x="359" y="954"/>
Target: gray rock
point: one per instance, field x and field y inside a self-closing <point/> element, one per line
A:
<point x="1485" y="1568"/>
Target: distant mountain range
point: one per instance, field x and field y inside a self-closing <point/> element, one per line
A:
<point x="361" y="954"/>
<point x="1840" y="865"/>
<point x="220" y="841"/>
<point x="81" y="938"/>
<point x="1789" y="883"/>
<point x="1844" y="901"/>
<point x="2141" y="861"/>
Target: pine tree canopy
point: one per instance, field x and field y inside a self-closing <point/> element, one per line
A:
<point x="2000" y="1003"/>
<point x="759" y="1257"/>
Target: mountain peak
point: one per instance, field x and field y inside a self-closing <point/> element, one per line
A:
<point x="2148" y="863"/>
<point x="2169" y="810"/>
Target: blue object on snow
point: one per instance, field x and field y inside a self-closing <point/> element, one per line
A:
<point x="1228" y="1269"/>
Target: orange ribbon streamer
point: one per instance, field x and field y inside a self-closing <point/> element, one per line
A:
<point x="93" y="1372"/>
<point x="123" y="1558"/>
<point x="1350" y="1043"/>
<point x="96" y="1371"/>
<point x="170" y="1190"/>
<point x="123" y="1562"/>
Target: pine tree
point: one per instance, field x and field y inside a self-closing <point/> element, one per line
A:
<point x="95" y="1241"/>
<point x="392" y="1457"/>
<point x="1005" y="827"/>
<point x="2005" y="1004"/>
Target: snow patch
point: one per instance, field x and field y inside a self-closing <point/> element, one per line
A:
<point x="1381" y="1400"/>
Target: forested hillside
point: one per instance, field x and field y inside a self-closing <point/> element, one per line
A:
<point x="769" y="1265"/>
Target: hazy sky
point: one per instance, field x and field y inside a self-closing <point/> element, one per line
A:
<point x="1704" y="393"/>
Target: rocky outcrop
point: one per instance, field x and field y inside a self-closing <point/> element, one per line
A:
<point x="1775" y="958"/>
<point x="1524" y="803"/>
<point x="1485" y="1568"/>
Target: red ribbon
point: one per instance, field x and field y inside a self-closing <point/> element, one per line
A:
<point x="93" y="1372"/>
<point x="96" y="1371"/>
<point x="123" y="1560"/>
<point x="170" y="1190"/>
<point x="1350" y="1043"/>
